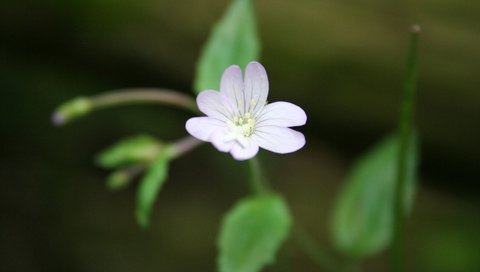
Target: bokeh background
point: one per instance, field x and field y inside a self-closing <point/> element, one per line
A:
<point x="342" y="61"/>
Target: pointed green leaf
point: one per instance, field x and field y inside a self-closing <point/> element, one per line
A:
<point x="133" y="150"/>
<point x="150" y="186"/>
<point x="252" y="233"/>
<point x="363" y="216"/>
<point x="234" y="40"/>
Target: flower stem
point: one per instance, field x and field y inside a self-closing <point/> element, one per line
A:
<point x="405" y="127"/>
<point x="313" y="250"/>
<point x="258" y="184"/>
<point x="183" y="146"/>
<point x="81" y="106"/>
<point x="144" y="95"/>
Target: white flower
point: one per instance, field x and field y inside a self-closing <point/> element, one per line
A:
<point x="239" y="120"/>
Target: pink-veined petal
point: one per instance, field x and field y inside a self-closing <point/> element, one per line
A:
<point x="256" y="87"/>
<point x="202" y="128"/>
<point x="279" y="139"/>
<point x="218" y="139"/>
<point x="232" y="86"/>
<point x="216" y="105"/>
<point x="283" y="114"/>
<point x="241" y="153"/>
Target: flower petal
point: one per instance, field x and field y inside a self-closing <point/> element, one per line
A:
<point x="244" y="153"/>
<point x="232" y="86"/>
<point x="218" y="139"/>
<point x="216" y="105"/>
<point x="279" y="139"/>
<point x="256" y="87"/>
<point x="283" y="114"/>
<point x="202" y="128"/>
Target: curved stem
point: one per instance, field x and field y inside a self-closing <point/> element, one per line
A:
<point x="82" y="106"/>
<point x="144" y="95"/>
<point x="405" y="124"/>
<point x="311" y="248"/>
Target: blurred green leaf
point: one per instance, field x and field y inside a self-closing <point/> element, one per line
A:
<point x="119" y="179"/>
<point x="252" y="232"/>
<point x="150" y="186"/>
<point x="363" y="216"/>
<point x="234" y="40"/>
<point x="133" y="150"/>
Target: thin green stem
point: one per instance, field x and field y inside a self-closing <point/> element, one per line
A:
<point x="144" y="95"/>
<point x="258" y="183"/>
<point x="313" y="250"/>
<point x="405" y="130"/>
<point x="82" y="106"/>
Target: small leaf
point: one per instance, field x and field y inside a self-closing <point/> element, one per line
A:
<point x="234" y="40"/>
<point x="252" y="232"/>
<point x="363" y="216"/>
<point x="119" y="179"/>
<point x="150" y="186"/>
<point x="133" y="150"/>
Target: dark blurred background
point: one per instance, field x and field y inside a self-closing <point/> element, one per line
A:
<point x="342" y="61"/>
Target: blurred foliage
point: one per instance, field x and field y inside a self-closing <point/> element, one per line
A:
<point x="341" y="60"/>
<point x="150" y="186"/>
<point x="233" y="40"/>
<point x="138" y="149"/>
<point x="252" y="233"/>
<point x="362" y="220"/>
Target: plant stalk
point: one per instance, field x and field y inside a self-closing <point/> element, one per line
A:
<point x="405" y="130"/>
<point x="258" y="184"/>
<point x="144" y="95"/>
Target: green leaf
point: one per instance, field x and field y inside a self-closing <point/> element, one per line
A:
<point x="234" y="40"/>
<point x="363" y="216"/>
<point x="150" y="186"/>
<point x="133" y="150"/>
<point x="119" y="179"/>
<point x="252" y="233"/>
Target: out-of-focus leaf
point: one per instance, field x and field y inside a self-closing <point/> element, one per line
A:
<point x="119" y="179"/>
<point x="150" y="187"/>
<point x="234" y="40"/>
<point x="133" y="150"/>
<point x="252" y="233"/>
<point x="363" y="216"/>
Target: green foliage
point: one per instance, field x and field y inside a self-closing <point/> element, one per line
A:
<point x="252" y="232"/>
<point x="234" y="40"/>
<point x="132" y="150"/>
<point x="119" y="179"/>
<point x="150" y="186"/>
<point x="363" y="216"/>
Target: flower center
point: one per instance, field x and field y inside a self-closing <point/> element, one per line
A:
<point x="241" y="128"/>
<point x="244" y="125"/>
